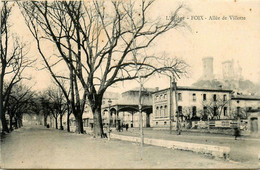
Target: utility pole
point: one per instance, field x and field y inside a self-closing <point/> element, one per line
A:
<point x="140" y="114"/>
<point x="171" y="105"/>
<point x="177" y="111"/>
<point x="139" y="100"/>
<point x="109" y="113"/>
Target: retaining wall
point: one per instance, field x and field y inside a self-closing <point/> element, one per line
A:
<point x="212" y="150"/>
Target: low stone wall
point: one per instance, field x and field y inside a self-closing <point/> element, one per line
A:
<point x="216" y="151"/>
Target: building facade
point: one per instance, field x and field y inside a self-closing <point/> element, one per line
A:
<point x="125" y="110"/>
<point x="193" y="104"/>
<point x="243" y="104"/>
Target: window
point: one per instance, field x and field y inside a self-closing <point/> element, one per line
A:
<point x="214" y="97"/>
<point x="180" y="110"/>
<point x="161" y="112"/>
<point x="194" y="97"/>
<point x="204" y="97"/>
<point x="215" y="109"/>
<point x="194" y="111"/>
<point x="156" y="123"/>
<point x="157" y="112"/>
<point x="237" y="101"/>
<point x="205" y="110"/>
<point x="225" y="111"/>
<point x="224" y="97"/>
<point x="165" y="96"/>
<point x="165" y="123"/>
<point x="165" y="111"/>
<point x="179" y="96"/>
<point x="238" y="110"/>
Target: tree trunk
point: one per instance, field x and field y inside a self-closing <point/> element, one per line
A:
<point x="45" y="120"/>
<point x="79" y="123"/>
<point x="21" y="122"/>
<point x="4" y="123"/>
<point x="16" y="123"/>
<point x="98" y="125"/>
<point x="2" y="111"/>
<point x="11" y="122"/>
<point x="56" y="122"/>
<point x="61" y="127"/>
<point x="68" y="122"/>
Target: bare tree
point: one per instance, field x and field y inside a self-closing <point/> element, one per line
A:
<point x="96" y="43"/>
<point x="75" y="102"/>
<point x="57" y="99"/>
<point x="215" y="107"/>
<point x="238" y="113"/>
<point x="13" y="61"/>
<point x="18" y="104"/>
<point x="212" y="109"/>
<point x="35" y="107"/>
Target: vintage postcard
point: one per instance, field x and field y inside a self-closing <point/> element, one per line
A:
<point x="130" y="84"/>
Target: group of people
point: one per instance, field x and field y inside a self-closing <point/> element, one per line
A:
<point x="120" y="128"/>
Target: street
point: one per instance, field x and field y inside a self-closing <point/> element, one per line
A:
<point x="39" y="147"/>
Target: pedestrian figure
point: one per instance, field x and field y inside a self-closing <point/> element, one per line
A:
<point x="236" y="132"/>
<point x="122" y="128"/>
<point x="126" y="127"/>
<point x="119" y="127"/>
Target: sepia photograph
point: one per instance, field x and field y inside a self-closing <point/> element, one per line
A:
<point x="130" y="84"/>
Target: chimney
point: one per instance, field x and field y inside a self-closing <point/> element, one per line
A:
<point x="156" y="88"/>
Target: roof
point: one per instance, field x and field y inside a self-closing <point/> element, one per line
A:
<point x="111" y="95"/>
<point x="245" y="97"/>
<point x="187" y="88"/>
<point x="138" y="88"/>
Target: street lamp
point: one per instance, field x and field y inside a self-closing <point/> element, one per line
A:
<point x="109" y="113"/>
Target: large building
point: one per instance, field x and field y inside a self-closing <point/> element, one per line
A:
<point x="242" y="104"/>
<point x="193" y="103"/>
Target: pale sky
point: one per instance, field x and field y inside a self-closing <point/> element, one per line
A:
<point x="221" y="39"/>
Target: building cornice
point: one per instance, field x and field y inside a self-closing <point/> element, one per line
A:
<point x="185" y="88"/>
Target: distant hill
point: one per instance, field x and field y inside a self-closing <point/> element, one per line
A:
<point x="243" y="86"/>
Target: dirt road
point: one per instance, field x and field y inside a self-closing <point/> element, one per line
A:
<point x="39" y="147"/>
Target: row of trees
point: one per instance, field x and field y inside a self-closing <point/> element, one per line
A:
<point x="94" y="43"/>
<point x="16" y="98"/>
<point x="213" y="110"/>
<point x="13" y="95"/>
